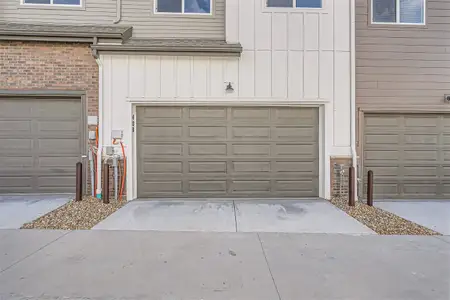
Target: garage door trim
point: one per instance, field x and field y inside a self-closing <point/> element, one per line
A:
<point x="61" y="95"/>
<point x="228" y="104"/>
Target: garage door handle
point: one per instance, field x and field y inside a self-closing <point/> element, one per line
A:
<point x="83" y="156"/>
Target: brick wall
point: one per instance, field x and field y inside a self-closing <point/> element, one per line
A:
<point x="339" y="175"/>
<point x="52" y="66"/>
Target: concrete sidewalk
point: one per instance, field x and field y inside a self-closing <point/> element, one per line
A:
<point x="431" y="214"/>
<point x="241" y="266"/>
<point x="18" y="210"/>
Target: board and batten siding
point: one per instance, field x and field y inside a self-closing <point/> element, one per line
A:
<point x="297" y="55"/>
<point x="400" y="65"/>
<point x="137" y="13"/>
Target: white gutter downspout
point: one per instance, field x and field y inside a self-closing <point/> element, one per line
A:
<point x="353" y="92"/>
<point x="118" y="11"/>
<point x="100" y="128"/>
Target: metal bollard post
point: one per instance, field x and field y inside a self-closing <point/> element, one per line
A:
<point x="79" y="181"/>
<point x="370" y="188"/>
<point x="351" y="186"/>
<point x="105" y="183"/>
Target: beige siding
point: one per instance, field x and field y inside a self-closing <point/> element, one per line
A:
<point x="403" y="66"/>
<point x="136" y="13"/>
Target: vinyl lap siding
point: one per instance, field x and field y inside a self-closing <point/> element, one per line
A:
<point x="136" y="13"/>
<point x="140" y="15"/>
<point x="404" y="66"/>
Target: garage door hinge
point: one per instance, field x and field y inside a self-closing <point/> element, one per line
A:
<point x="132" y="123"/>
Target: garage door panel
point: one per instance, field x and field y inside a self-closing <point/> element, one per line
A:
<point x="15" y="184"/>
<point x="55" y="109"/>
<point x="16" y="162"/>
<point x="8" y="145"/>
<point x="167" y="186"/>
<point x="14" y="127"/>
<point x="421" y="121"/>
<point x="49" y="182"/>
<point x="207" y="113"/>
<point x="151" y="150"/>
<point x="251" y="149"/>
<point x="307" y="166"/>
<point x="250" y="114"/>
<point x="308" y="150"/>
<point x="40" y="142"/>
<point x="299" y="116"/>
<point x="58" y="146"/>
<point x="306" y="134"/>
<point x="228" y="151"/>
<point x="408" y="159"/>
<point x="207" y="132"/>
<point x="158" y="133"/>
<point x="209" y="186"/>
<point x="250" y="186"/>
<point x="58" y="162"/>
<point x="11" y="109"/>
<point x="163" y="167"/>
<point x="250" y="133"/>
<point x="207" y="149"/>
<point x="430" y="155"/>
<point x="421" y="139"/>
<point x="300" y="186"/>
<point x="60" y="127"/>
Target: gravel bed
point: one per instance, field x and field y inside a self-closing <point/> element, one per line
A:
<point x="380" y="221"/>
<point x="75" y="215"/>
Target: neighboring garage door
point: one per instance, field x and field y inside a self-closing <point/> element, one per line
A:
<point x="409" y="154"/>
<point x="227" y="151"/>
<point x="40" y="142"/>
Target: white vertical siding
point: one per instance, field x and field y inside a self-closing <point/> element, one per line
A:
<point x="289" y="56"/>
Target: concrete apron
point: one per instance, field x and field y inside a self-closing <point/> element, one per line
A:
<point x="16" y="210"/>
<point x="225" y="215"/>
<point x="431" y="214"/>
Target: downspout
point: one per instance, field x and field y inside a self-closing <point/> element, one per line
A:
<point x="118" y="11"/>
<point x="353" y="92"/>
<point x="100" y="121"/>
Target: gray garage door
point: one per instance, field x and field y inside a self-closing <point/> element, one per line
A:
<point x="40" y="142"/>
<point x="227" y="151"/>
<point x="409" y="154"/>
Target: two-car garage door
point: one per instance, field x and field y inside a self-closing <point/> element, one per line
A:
<point x="227" y="151"/>
<point x="41" y="139"/>
<point x="409" y="154"/>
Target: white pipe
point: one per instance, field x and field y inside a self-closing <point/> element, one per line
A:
<point x="91" y="167"/>
<point x="100" y="128"/>
<point x="118" y="11"/>
<point x="116" y="178"/>
<point x="353" y="92"/>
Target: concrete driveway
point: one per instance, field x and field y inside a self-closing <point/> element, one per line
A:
<point x="18" y="210"/>
<point x="220" y="215"/>
<point x="431" y="214"/>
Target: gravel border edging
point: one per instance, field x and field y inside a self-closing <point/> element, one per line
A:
<point x="381" y="221"/>
<point x="74" y="215"/>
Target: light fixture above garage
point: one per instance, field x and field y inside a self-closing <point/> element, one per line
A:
<point x="229" y="88"/>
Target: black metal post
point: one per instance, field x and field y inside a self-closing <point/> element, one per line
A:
<point x="370" y="188"/>
<point x="351" y="186"/>
<point x="105" y="183"/>
<point x="79" y="181"/>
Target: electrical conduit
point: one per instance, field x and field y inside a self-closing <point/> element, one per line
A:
<point x="353" y="93"/>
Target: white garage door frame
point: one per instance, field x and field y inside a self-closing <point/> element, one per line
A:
<point x="325" y="136"/>
<point x="362" y="112"/>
